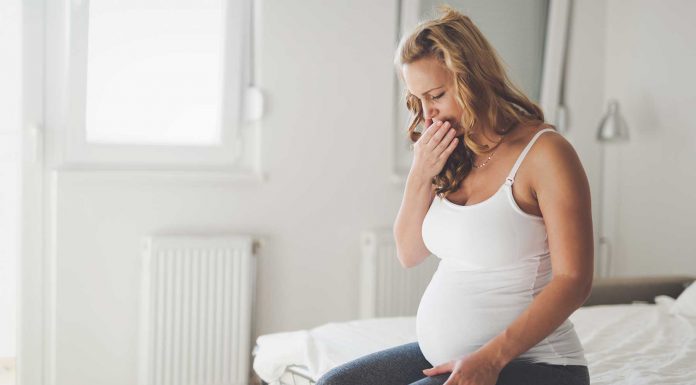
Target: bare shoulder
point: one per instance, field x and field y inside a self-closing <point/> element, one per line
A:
<point x="553" y="160"/>
<point x="552" y="148"/>
<point x="548" y="144"/>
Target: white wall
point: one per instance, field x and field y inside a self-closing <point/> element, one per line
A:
<point x="642" y="54"/>
<point x="327" y="70"/>
<point x="650" y="61"/>
<point x="10" y="126"/>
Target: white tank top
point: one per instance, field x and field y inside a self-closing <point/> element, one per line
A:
<point x="494" y="259"/>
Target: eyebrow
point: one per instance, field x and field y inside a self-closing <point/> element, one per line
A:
<point x="432" y="89"/>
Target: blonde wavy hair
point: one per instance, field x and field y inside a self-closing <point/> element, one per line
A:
<point x="483" y="90"/>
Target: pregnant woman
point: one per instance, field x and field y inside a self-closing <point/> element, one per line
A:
<point x="503" y="201"/>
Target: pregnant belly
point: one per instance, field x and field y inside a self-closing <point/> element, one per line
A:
<point x="457" y="316"/>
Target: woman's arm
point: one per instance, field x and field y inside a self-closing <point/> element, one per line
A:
<point x="418" y="196"/>
<point x="563" y="193"/>
<point x="430" y="152"/>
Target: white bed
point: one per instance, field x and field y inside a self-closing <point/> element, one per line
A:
<point x="638" y="343"/>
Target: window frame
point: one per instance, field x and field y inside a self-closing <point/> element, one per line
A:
<point x="66" y="77"/>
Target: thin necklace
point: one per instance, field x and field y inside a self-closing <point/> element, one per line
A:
<point x="490" y="156"/>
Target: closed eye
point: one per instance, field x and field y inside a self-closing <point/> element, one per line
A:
<point x="438" y="96"/>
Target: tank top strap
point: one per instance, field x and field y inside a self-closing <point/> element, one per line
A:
<point x="511" y="177"/>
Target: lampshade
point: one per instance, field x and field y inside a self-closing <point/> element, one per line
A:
<point x="612" y="128"/>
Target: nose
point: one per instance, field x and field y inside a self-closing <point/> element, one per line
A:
<point x="429" y="111"/>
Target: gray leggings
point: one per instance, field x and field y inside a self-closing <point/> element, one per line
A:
<point x="403" y="365"/>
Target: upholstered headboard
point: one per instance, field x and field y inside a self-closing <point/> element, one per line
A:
<point x="616" y="290"/>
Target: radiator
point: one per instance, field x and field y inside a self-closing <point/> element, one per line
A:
<point x="388" y="289"/>
<point x="197" y="306"/>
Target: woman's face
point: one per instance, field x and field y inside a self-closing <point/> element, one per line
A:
<point x="432" y="83"/>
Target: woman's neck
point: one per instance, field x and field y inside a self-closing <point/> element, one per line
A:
<point x="488" y="138"/>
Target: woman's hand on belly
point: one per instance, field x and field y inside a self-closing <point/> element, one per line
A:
<point x="474" y="369"/>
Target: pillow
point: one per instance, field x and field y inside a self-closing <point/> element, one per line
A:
<point x="686" y="302"/>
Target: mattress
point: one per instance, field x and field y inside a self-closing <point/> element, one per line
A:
<point x="634" y="344"/>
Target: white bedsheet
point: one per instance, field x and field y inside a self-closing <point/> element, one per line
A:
<point x="635" y="344"/>
<point x="329" y="345"/>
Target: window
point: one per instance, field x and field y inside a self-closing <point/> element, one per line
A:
<point x="158" y="80"/>
<point x="151" y="84"/>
